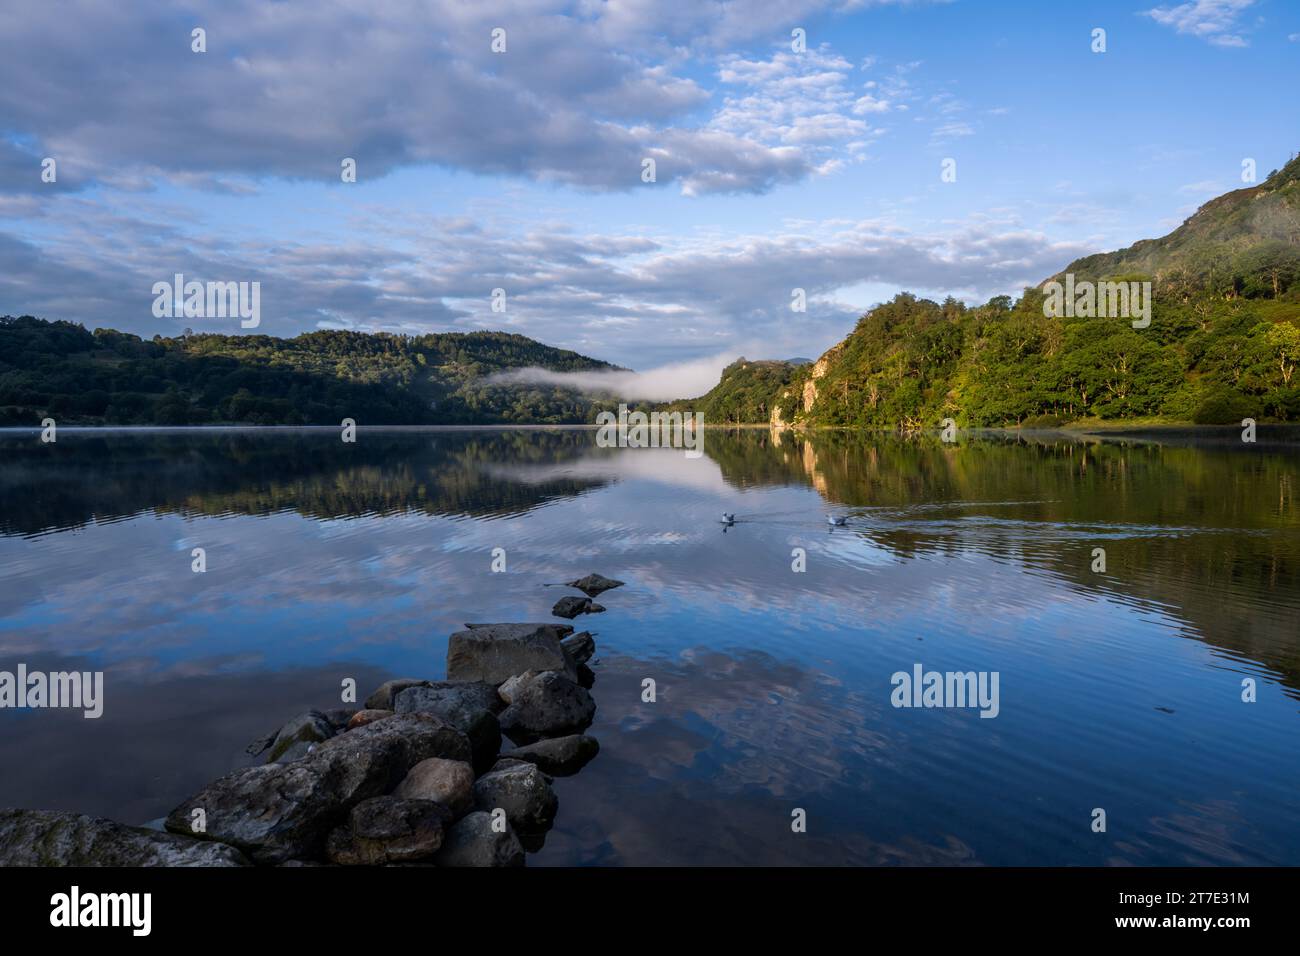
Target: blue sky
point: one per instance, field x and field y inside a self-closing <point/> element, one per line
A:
<point x="521" y="170"/>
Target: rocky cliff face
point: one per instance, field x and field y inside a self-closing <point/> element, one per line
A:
<point x="776" y="421"/>
<point x="819" y="369"/>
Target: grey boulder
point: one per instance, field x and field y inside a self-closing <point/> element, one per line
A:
<point x="580" y="647"/>
<point x="496" y="652"/>
<point x="472" y="841"/>
<point x="388" y="829"/>
<point x="279" y="812"/>
<point x="469" y="706"/>
<point x="549" y="705"/>
<point x="60" y="838"/>
<point x="383" y="698"/>
<point x="522" y="791"/>
<point x="450" y="782"/>
<point x="560" y="756"/>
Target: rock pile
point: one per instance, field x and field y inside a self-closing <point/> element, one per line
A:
<point x="416" y="777"/>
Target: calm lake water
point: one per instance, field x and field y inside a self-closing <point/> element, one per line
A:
<point x="1119" y="690"/>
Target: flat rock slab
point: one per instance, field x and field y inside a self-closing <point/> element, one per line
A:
<point x="59" y="838"/>
<point x="496" y="652"/>
<point x="560" y="756"/>
<point x="279" y="812"/>
<point x="595" y="584"/>
<point x="472" y="842"/>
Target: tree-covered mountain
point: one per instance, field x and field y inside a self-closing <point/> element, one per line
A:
<point x="61" y="370"/>
<point x="1223" y="342"/>
<point x="744" y="393"/>
<point x="1245" y="243"/>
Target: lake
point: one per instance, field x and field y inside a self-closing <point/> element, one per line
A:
<point x="1120" y="690"/>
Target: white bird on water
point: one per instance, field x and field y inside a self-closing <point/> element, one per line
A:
<point x="728" y="517"/>
<point x="836" y="521"/>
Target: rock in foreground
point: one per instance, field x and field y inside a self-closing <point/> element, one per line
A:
<point x="559" y="757"/>
<point x="549" y="705"/>
<point x="279" y="812"/>
<point x="389" y="830"/>
<point x="473" y="842"/>
<point x="449" y="782"/>
<point x="469" y="706"/>
<point x="522" y="791"/>
<point x="59" y="838"/>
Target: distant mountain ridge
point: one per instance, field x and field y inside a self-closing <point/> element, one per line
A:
<point x="1240" y="243"/>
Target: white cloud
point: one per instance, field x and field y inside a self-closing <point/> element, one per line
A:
<point x="640" y="300"/>
<point x="1214" y="21"/>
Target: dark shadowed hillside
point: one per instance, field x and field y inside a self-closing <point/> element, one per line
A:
<point x="61" y="369"/>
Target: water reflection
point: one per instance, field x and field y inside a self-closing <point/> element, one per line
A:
<point x="325" y="560"/>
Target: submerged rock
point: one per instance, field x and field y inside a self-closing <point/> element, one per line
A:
<point x="560" y="756"/>
<point x="473" y="842"/>
<point x="388" y="830"/>
<point x="469" y="706"/>
<point x="550" y="705"/>
<point x="278" y="812"/>
<point x="449" y="782"/>
<point x="579" y="646"/>
<point x="522" y="791"/>
<point x="59" y="838"/>
<point x="496" y="652"/>
<point x="595" y="584"/>
<point x="383" y="698"/>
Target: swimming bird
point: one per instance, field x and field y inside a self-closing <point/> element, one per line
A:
<point x="728" y="517"/>
<point x="836" y="521"/>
